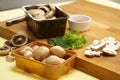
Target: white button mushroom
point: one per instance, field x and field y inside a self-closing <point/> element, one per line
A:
<point x="54" y="60"/>
<point x="28" y="54"/>
<point x="24" y="49"/>
<point x="41" y="53"/>
<point x="58" y="51"/>
<point x="35" y="47"/>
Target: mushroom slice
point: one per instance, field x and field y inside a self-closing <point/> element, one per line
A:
<point x="98" y="45"/>
<point x="109" y="52"/>
<point x="52" y="7"/>
<point x="110" y="39"/>
<point x="113" y="45"/>
<point x="19" y="40"/>
<point x="44" y="8"/>
<point x="34" y="12"/>
<point x="50" y="14"/>
<point x="95" y="42"/>
<point x="96" y="53"/>
<point x="88" y="53"/>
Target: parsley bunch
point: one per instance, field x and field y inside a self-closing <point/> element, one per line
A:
<point x="69" y="41"/>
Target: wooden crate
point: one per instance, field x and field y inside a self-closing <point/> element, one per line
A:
<point x="51" y="72"/>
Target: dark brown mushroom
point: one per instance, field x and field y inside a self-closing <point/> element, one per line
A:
<point x="9" y="43"/>
<point x="4" y="50"/>
<point x="19" y="40"/>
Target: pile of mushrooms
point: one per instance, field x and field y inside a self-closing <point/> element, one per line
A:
<point x="54" y="55"/>
<point x="16" y="41"/>
<point x="43" y="12"/>
<point x="107" y="46"/>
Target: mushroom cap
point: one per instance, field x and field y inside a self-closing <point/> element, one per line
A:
<point x="50" y="14"/>
<point x="23" y="50"/>
<point x="52" y="7"/>
<point x="39" y="17"/>
<point x="35" y="12"/>
<point x="58" y="51"/>
<point x="19" y="40"/>
<point x="54" y="60"/>
<point x="44" y="8"/>
<point x="28" y="54"/>
<point x="35" y="47"/>
<point x="9" y="43"/>
<point x="4" y="50"/>
<point x="41" y="53"/>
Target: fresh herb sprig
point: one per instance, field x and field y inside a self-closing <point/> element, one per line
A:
<point x="69" y="41"/>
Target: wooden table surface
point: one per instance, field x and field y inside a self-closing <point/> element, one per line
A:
<point x="105" y="22"/>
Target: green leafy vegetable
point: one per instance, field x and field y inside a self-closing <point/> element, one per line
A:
<point x="69" y="41"/>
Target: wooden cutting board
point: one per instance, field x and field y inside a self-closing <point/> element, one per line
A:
<point x="105" y="22"/>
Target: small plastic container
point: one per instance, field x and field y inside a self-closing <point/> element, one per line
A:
<point x="48" y="28"/>
<point x="52" y="72"/>
<point x="79" y="22"/>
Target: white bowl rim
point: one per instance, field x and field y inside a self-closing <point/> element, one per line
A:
<point x="89" y="18"/>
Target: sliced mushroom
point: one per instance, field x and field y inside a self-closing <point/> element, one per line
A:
<point x="52" y="11"/>
<point x="88" y="53"/>
<point x="113" y="45"/>
<point x="107" y="46"/>
<point x="96" y="53"/>
<point x="109" y="39"/>
<point x="95" y="42"/>
<point x="98" y="45"/>
<point x="44" y="8"/>
<point x="50" y="14"/>
<point x="52" y="7"/>
<point x="19" y="40"/>
<point x="109" y="52"/>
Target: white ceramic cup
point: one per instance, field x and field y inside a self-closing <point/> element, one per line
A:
<point x="79" y="22"/>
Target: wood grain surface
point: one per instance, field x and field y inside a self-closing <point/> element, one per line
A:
<point x="105" y="22"/>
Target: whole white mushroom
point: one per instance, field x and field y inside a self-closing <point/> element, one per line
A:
<point x="54" y="60"/>
<point x="41" y="53"/>
<point x="58" y="51"/>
